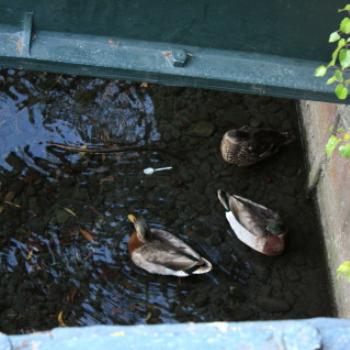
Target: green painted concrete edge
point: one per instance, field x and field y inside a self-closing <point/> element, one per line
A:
<point x="118" y="58"/>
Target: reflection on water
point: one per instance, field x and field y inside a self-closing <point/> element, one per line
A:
<point x="63" y="228"/>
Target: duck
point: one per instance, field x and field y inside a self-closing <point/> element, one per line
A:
<point x="248" y="145"/>
<point x="258" y="227"/>
<point x="160" y="252"/>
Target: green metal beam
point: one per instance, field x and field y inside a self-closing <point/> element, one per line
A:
<point x="250" y="47"/>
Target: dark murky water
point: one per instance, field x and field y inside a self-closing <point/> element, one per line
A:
<point x="50" y="269"/>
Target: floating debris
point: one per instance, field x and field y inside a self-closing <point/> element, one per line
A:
<point x="151" y="171"/>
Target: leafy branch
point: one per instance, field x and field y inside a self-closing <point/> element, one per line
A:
<point x="340" y="140"/>
<point x="340" y="60"/>
<point x="337" y="68"/>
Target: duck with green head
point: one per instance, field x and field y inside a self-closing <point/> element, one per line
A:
<point x="160" y="252"/>
<point x="258" y="227"/>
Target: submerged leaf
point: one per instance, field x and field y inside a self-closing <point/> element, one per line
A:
<point x="86" y="234"/>
<point x="10" y="196"/>
<point x="60" y="319"/>
<point x="148" y="316"/>
<point x="30" y="254"/>
<point x="70" y="211"/>
<point x="331" y="145"/>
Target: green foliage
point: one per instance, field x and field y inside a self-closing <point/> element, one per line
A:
<point x="341" y="91"/>
<point x="344" y="270"/>
<point x="345" y="25"/>
<point x="341" y="140"/>
<point x="346" y="8"/>
<point x="340" y="61"/>
<point x="334" y="37"/>
<point x="320" y="71"/>
<point x="344" y="150"/>
<point x="344" y="58"/>
<point x="331" y="145"/>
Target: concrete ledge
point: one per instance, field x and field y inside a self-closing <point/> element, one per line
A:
<point x="330" y="179"/>
<point x="312" y="334"/>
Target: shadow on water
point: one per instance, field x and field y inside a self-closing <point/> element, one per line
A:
<point x="64" y="232"/>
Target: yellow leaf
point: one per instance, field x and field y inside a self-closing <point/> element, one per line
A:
<point x="60" y="319"/>
<point x="70" y="211"/>
<point x="346" y="137"/>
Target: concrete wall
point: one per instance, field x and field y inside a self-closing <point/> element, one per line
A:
<point x="329" y="179"/>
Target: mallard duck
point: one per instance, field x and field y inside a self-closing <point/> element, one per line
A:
<point x="258" y="227"/>
<point x="247" y="145"/>
<point x="158" y="251"/>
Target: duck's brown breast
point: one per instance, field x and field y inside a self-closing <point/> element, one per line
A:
<point x="134" y="243"/>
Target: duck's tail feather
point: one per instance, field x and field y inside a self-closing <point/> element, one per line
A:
<point x="201" y="266"/>
<point x="224" y="199"/>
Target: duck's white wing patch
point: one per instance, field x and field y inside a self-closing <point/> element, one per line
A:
<point x="243" y="234"/>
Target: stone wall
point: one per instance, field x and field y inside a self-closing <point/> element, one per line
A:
<point x="329" y="179"/>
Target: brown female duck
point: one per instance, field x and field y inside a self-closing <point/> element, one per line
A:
<point x="158" y="251"/>
<point x="258" y="227"/>
<point x="247" y="145"/>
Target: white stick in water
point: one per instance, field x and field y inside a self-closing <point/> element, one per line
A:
<point x="150" y="171"/>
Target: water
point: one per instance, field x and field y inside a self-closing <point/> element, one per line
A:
<point x="53" y="274"/>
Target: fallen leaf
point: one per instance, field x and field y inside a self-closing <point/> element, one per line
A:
<point x="70" y="211"/>
<point x="30" y="254"/>
<point x="86" y="234"/>
<point x="60" y="319"/>
<point x="12" y="204"/>
<point x="9" y="196"/>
